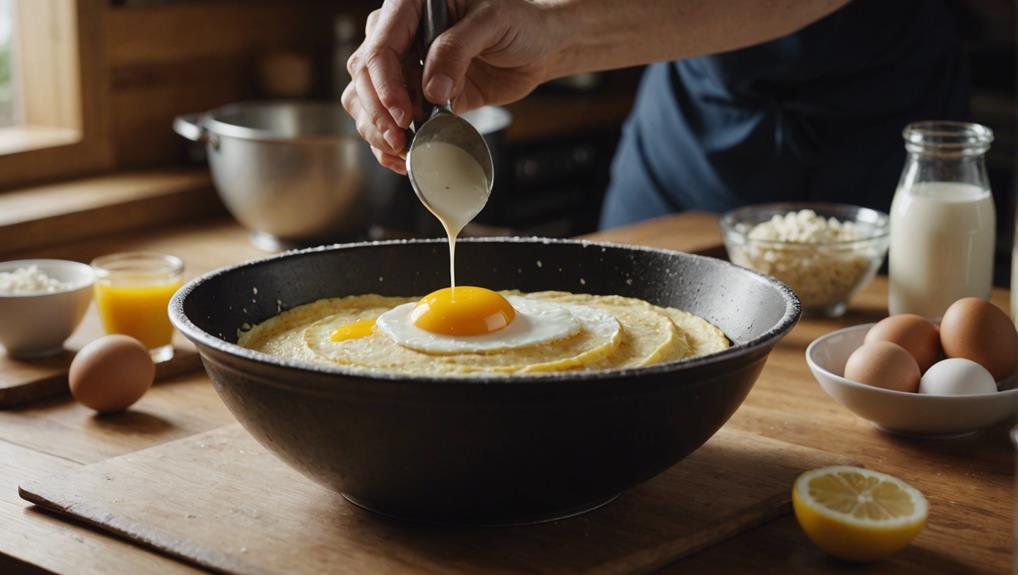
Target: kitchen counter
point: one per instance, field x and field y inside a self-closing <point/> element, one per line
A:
<point x="969" y="482"/>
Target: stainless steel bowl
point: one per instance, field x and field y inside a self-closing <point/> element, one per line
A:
<point x="297" y="173"/>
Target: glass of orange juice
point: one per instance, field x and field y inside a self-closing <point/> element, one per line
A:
<point x="132" y="292"/>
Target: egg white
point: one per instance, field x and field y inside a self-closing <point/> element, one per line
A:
<point x="536" y="322"/>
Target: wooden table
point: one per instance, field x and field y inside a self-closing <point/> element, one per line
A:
<point x="969" y="482"/>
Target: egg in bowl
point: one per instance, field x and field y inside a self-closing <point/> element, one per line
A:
<point x="469" y="330"/>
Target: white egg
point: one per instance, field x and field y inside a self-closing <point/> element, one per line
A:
<point x="957" y="376"/>
<point x="536" y="322"/>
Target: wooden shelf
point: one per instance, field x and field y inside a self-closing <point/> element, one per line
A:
<point x="68" y="212"/>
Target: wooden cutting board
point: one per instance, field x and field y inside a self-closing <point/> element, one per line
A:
<point x="221" y="501"/>
<point x="25" y="381"/>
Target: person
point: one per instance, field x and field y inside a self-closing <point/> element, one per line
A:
<point x="744" y="101"/>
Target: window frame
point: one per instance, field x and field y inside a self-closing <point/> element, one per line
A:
<point x="67" y="128"/>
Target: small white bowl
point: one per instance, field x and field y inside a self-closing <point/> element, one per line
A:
<point x="898" y="411"/>
<point x="36" y="324"/>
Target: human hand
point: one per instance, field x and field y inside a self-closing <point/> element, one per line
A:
<point x="495" y="52"/>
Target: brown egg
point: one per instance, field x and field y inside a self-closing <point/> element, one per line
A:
<point x="914" y="333"/>
<point x="978" y="330"/>
<point x="111" y="373"/>
<point x="883" y="364"/>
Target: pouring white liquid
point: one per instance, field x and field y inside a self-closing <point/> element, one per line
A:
<point x="454" y="189"/>
<point x="942" y="236"/>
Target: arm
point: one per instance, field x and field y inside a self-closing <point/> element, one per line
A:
<point x="606" y="34"/>
<point x="498" y="51"/>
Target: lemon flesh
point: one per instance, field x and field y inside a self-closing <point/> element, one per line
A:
<point x="858" y="514"/>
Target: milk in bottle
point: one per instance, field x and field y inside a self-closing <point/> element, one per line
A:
<point x="943" y="219"/>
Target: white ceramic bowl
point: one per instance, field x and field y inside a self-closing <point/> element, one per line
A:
<point x="902" y="412"/>
<point x="36" y="324"/>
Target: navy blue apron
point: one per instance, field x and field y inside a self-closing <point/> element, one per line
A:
<point x="816" y="115"/>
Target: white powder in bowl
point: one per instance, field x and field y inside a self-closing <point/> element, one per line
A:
<point x="29" y="280"/>
<point x="806" y="226"/>
<point x="815" y="261"/>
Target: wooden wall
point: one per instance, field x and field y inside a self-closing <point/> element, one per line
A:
<point x="172" y="59"/>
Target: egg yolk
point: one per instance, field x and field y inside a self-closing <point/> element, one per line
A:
<point x="462" y="310"/>
<point x="353" y="330"/>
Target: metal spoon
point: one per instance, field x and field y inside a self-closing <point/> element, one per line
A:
<point x="439" y="123"/>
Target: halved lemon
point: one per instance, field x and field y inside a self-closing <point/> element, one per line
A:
<point x="858" y="514"/>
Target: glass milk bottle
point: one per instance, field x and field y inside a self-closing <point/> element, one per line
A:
<point x="943" y="222"/>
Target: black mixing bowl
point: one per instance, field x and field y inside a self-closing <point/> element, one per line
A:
<point x="482" y="449"/>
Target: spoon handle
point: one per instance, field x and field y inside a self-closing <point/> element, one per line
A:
<point x="434" y="21"/>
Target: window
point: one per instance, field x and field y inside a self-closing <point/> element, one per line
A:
<point x="52" y="94"/>
<point x="7" y="87"/>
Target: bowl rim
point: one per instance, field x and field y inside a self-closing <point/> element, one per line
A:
<point x="913" y="396"/>
<point x="85" y="282"/>
<point x="216" y="121"/>
<point x="793" y="311"/>
<point x="217" y="125"/>
<point x="729" y="220"/>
